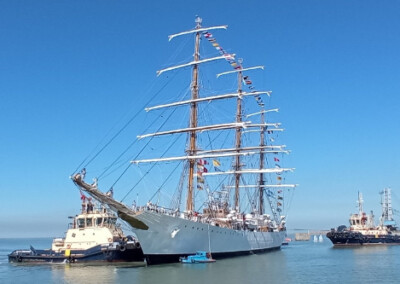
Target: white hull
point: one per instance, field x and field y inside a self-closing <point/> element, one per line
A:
<point x="169" y="237"/>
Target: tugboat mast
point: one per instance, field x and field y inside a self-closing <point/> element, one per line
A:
<point x="387" y="211"/>
<point x="360" y="203"/>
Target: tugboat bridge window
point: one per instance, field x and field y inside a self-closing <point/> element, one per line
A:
<point x="89" y="222"/>
<point x="110" y="222"/>
<point x="81" y="223"/>
<point x="99" y="221"/>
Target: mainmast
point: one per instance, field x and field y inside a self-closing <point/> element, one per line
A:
<point x="238" y="136"/>
<point x="238" y="139"/>
<point x="193" y="118"/>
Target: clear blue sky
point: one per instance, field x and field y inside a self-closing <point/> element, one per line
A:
<point x="70" y="69"/>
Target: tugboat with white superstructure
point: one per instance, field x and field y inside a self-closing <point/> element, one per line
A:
<point x="362" y="230"/>
<point x="94" y="236"/>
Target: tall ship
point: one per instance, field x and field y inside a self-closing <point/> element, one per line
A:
<point x="231" y="194"/>
<point x="362" y="229"/>
<point x="93" y="236"/>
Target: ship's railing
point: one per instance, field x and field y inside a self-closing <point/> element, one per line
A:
<point x="238" y="223"/>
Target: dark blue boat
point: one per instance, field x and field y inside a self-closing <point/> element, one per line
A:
<point x="362" y="230"/>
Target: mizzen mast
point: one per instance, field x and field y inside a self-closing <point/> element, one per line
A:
<point x="261" y="178"/>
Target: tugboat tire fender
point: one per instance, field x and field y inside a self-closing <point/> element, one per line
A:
<point x="122" y="248"/>
<point x="137" y="245"/>
<point x="19" y="258"/>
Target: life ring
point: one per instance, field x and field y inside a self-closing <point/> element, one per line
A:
<point x="109" y="240"/>
<point x="68" y="246"/>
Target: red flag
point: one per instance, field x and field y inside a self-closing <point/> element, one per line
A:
<point x="276" y="159"/>
<point x="83" y="197"/>
<point x="202" y="162"/>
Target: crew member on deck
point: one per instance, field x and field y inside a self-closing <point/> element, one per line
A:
<point x="90" y="205"/>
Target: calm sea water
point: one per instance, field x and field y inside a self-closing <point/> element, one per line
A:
<point x="300" y="262"/>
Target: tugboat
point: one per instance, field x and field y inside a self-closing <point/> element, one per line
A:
<point x="94" y="236"/>
<point x="362" y="230"/>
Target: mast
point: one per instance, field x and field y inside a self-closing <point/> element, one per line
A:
<point x="238" y="138"/>
<point x="360" y="203"/>
<point x="193" y="118"/>
<point x="261" y="180"/>
<point x="387" y="211"/>
<point x="238" y="134"/>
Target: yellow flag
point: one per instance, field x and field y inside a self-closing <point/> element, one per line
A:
<point x="216" y="163"/>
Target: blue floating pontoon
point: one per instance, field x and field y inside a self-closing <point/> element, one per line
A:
<point x="199" y="257"/>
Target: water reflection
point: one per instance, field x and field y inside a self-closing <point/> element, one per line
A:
<point x="89" y="273"/>
<point x="363" y="249"/>
<point x="260" y="268"/>
<point x="298" y="263"/>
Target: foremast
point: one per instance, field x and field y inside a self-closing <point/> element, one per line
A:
<point x="193" y="119"/>
<point x="192" y="148"/>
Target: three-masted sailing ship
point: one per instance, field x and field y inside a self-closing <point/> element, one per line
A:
<point x="217" y="225"/>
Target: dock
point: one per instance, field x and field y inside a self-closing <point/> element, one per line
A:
<point x="307" y="236"/>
